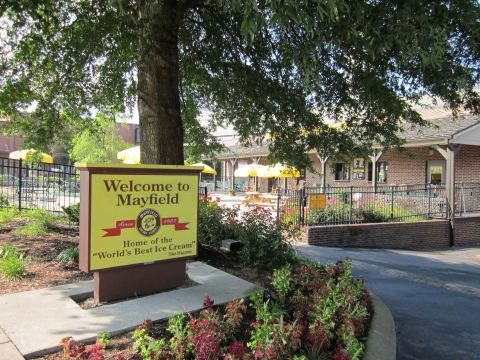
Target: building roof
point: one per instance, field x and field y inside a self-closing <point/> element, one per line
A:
<point x="441" y="127"/>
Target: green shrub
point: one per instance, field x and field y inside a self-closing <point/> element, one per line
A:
<point x="104" y="338"/>
<point x="373" y="212"/>
<point x="73" y="213"/>
<point x="216" y="223"/>
<point x="69" y="254"/>
<point x="12" y="263"/>
<point x="266" y="244"/>
<point x="332" y="214"/>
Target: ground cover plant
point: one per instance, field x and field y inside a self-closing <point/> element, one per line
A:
<point x="12" y="262"/>
<point x="306" y="312"/>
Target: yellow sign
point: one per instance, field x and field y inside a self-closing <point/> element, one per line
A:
<point x="144" y="218"/>
<point x="318" y="201"/>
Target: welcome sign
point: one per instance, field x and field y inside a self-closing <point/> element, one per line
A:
<point x="138" y="215"/>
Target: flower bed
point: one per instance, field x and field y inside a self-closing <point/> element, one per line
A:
<point x="306" y="312"/>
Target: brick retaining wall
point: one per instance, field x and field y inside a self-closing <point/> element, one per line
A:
<point x="466" y="231"/>
<point x="421" y="235"/>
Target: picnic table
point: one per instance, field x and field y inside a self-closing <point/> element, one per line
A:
<point x="257" y="199"/>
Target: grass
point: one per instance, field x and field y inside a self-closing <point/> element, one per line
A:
<point x="7" y="215"/>
<point x="69" y="254"/>
<point x="12" y="262"/>
<point x="37" y="224"/>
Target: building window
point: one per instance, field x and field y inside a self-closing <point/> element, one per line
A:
<point x="137" y="136"/>
<point x="342" y="171"/>
<point x="382" y="171"/>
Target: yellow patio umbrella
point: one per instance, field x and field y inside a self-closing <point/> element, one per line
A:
<point x="206" y="168"/>
<point x="250" y="170"/>
<point x="281" y="171"/>
<point x="22" y="154"/>
<point x="130" y="155"/>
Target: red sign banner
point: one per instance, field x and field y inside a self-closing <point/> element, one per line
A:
<point x="121" y="224"/>
<point x="174" y="221"/>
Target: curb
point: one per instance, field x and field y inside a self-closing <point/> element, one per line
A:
<point x="382" y="339"/>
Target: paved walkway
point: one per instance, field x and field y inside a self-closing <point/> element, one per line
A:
<point x="35" y="321"/>
<point x="8" y="351"/>
<point x="434" y="296"/>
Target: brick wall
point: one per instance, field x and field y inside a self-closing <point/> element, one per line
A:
<point x="421" y="235"/>
<point x="467" y="165"/>
<point x="466" y="231"/>
<point x="409" y="167"/>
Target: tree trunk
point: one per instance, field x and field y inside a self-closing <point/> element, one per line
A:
<point x="161" y="128"/>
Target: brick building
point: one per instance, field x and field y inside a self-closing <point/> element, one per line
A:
<point x="447" y="152"/>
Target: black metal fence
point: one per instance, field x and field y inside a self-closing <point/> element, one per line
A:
<point x="42" y="186"/>
<point x="352" y="205"/>
<point x="467" y="197"/>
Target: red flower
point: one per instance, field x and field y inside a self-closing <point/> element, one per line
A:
<point x="208" y="302"/>
<point x="237" y="349"/>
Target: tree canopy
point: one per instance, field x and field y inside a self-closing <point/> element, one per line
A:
<point x="281" y="68"/>
<point x="100" y="144"/>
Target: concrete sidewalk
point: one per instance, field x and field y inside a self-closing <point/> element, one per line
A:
<point x="36" y="321"/>
<point x="8" y="351"/>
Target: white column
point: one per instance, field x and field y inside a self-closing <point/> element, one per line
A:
<point x="374" y="158"/>
<point x="323" y="161"/>
<point x="450" y="179"/>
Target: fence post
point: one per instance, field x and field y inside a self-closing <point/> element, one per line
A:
<point x="351" y="205"/>
<point x="391" y="208"/>
<point x="20" y="184"/>
<point x="302" y="208"/>
<point x="462" y="199"/>
<point x="429" y="201"/>
<point x="279" y="198"/>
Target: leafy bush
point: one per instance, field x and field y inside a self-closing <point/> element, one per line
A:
<point x="216" y="223"/>
<point x="266" y="243"/>
<point x="104" y="338"/>
<point x="332" y="214"/>
<point x="69" y="254"/>
<point x="12" y="262"/>
<point x="73" y="213"/>
<point x="373" y="212"/>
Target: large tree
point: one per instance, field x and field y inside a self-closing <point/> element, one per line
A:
<point x="280" y="68"/>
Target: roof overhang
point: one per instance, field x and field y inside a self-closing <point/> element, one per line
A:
<point x="468" y="136"/>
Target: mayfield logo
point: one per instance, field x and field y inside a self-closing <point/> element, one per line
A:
<point x="148" y="222"/>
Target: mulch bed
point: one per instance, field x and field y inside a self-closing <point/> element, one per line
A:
<point x="42" y="268"/>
